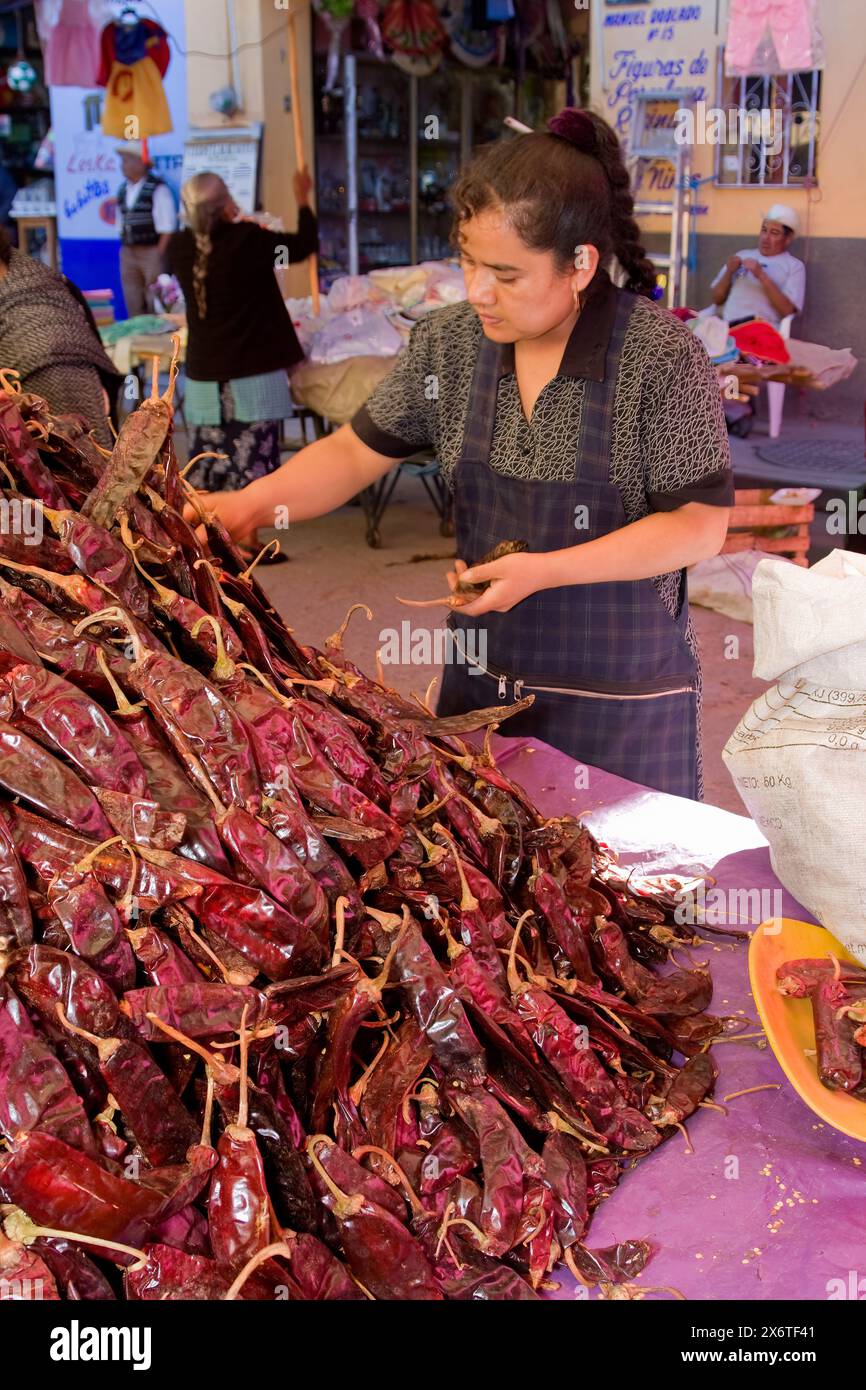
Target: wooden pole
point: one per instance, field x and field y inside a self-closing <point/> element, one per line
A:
<point x="300" y="156"/>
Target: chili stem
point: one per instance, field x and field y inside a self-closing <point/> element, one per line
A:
<point x="279" y="1247"/>
<point x="411" y="1194"/>
<point x="750" y="1090"/>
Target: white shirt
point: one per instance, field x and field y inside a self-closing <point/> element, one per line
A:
<point x="748" y="298"/>
<point x="164" y="212"/>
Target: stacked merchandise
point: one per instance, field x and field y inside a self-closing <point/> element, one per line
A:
<point x="101" y="306"/>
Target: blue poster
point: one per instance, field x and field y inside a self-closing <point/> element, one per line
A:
<point x="87" y="171"/>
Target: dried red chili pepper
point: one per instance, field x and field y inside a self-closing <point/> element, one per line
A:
<point x="159" y="1124"/>
<point x="162" y="961"/>
<point x="46" y="977"/>
<point x="23" y="457"/>
<point x="136" y="448"/>
<point x="76" y="1274"/>
<point x="100" y="556"/>
<point x="16" y="921"/>
<point x="317" y="1272"/>
<point x="391" y="1082"/>
<point x="453" y="1153"/>
<point x="65" y="1190"/>
<point x="506" y="1159"/>
<point x="437" y="1009"/>
<point x="616" y="1264"/>
<point x="382" y="1254"/>
<point x="169" y="1273"/>
<point x="93" y="926"/>
<point x="238" y="1213"/>
<point x="167" y="783"/>
<point x="840" y="1059"/>
<point x="331" y="1087"/>
<point x="352" y="1177"/>
<point x="28" y="770"/>
<point x="567" y="927"/>
<point x="53" y="640"/>
<point x="14" y="642"/>
<point x="200" y="1010"/>
<point x="296" y="758"/>
<point x="52" y="711"/>
<point x="47" y="847"/>
<point x="24" y="1275"/>
<point x="246" y="917"/>
<point x="276" y="868"/>
<point x="35" y="1091"/>
<point x="141" y="821"/>
<point x="796" y="978"/>
<point x="685" y="1092"/>
<point x="565" y="1175"/>
<point x="202" y="727"/>
<point x="677" y="995"/>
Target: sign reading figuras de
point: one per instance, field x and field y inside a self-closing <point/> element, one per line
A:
<point x="651" y="47"/>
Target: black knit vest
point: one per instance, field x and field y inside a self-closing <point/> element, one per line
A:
<point x="136" y="228"/>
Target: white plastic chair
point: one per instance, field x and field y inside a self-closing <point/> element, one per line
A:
<point x="776" y="389"/>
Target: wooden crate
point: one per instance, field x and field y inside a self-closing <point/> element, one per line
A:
<point x="753" y="512"/>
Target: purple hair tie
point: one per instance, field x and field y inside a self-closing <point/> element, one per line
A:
<point x="576" y="127"/>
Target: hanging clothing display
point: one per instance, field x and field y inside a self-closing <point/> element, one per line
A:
<point x="134" y="60"/>
<point x="770" y="36"/>
<point x="69" y="32"/>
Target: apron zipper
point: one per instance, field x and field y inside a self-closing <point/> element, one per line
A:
<point x="518" y="686"/>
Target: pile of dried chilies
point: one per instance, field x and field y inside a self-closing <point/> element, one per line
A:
<point x="837" y="992"/>
<point x="300" y="996"/>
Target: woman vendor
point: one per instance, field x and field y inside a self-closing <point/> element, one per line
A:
<point x="241" y="338"/>
<point x="569" y="414"/>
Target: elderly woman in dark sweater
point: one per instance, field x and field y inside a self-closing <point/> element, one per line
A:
<point x="241" y="338"/>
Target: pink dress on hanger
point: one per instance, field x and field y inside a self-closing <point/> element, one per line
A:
<point x="70" y="43"/>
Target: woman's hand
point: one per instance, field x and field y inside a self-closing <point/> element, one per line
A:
<point x="514" y="578"/>
<point x="302" y="183"/>
<point x="232" y="508"/>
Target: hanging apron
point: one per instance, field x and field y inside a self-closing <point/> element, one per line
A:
<point x="614" y="679"/>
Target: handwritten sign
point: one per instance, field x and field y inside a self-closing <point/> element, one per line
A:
<point x="652" y="47"/>
<point x="236" y="161"/>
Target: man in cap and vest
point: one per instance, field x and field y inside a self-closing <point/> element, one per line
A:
<point x="147" y="219"/>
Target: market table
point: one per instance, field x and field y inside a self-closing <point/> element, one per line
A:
<point x="770" y="1204"/>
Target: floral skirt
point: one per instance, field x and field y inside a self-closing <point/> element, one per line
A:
<point x="252" y="449"/>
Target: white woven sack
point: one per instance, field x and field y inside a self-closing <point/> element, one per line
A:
<point x="798" y="756"/>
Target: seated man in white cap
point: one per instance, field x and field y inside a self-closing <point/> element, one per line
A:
<point x="147" y="219"/>
<point x="768" y="283"/>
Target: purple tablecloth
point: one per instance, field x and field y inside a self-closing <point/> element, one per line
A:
<point x="771" y="1202"/>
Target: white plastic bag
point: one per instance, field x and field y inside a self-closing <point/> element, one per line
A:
<point x="724" y="583"/>
<point x="798" y="756"/>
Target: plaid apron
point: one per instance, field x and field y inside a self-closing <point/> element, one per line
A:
<point x="614" y="679"/>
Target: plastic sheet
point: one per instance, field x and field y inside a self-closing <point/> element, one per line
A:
<point x="770" y="1204"/>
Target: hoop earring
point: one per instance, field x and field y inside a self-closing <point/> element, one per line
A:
<point x="575" y="295"/>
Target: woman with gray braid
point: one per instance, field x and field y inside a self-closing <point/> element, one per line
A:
<point x="241" y="338"/>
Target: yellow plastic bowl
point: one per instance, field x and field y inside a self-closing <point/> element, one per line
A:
<point x="788" y="1022"/>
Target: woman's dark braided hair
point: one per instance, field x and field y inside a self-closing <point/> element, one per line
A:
<point x="562" y="188"/>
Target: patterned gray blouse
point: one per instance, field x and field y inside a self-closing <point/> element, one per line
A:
<point x="670" y="443"/>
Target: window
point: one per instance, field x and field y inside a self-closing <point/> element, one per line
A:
<point x="785" y="153"/>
